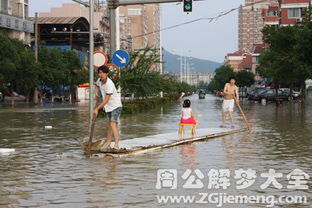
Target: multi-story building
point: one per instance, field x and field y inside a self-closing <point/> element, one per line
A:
<point x="252" y="20"/>
<point x="249" y="61"/>
<point x="141" y="25"/>
<point x="101" y="23"/>
<point x="194" y="78"/>
<point x="13" y="19"/>
<point x="258" y="13"/>
<point x="291" y="11"/>
<point x="253" y="17"/>
<point x="239" y="60"/>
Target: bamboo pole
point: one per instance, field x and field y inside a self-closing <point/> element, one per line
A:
<point x="243" y="114"/>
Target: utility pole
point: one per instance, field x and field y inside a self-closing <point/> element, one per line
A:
<point x="185" y="67"/>
<point x="114" y="30"/>
<point x="36" y="36"/>
<point x="35" y="98"/>
<point x="113" y="25"/>
<point x="91" y="50"/>
<point x="161" y="53"/>
<point x="114" y="17"/>
<point x="181" y="67"/>
<point x="117" y="3"/>
<point x="91" y="60"/>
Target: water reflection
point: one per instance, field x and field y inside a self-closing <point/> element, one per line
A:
<point x="188" y="156"/>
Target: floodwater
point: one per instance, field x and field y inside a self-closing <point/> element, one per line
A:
<point x="49" y="169"/>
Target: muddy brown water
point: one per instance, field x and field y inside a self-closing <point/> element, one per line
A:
<point x="50" y="170"/>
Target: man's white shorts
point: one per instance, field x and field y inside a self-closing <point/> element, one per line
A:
<point x="228" y="105"/>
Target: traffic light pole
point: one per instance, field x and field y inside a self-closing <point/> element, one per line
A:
<point x="117" y="3"/>
<point x="114" y="33"/>
<point x="114" y="19"/>
<point x="114" y="24"/>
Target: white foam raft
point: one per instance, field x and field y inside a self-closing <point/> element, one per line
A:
<point x="156" y="142"/>
<point x="6" y="151"/>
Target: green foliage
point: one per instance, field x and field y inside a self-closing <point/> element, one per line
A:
<point x="57" y="67"/>
<point x="289" y="58"/>
<point x="222" y="76"/>
<point x="304" y="49"/>
<point x="60" y="68"/>
<point x="140" y="78"/>
<point x="202" y="85"/>
<point x="245" y="78"/>
<point x="224" y="73"/>
<point x="136" y="106"/>
<point x="18" y="66"/>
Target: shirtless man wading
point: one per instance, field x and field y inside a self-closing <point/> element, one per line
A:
<point x="230" y="93"/>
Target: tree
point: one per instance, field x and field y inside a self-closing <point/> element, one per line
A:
<point x="223" y="74"/>
<point x="27" y="73"/>
<point x="289" y="58"/>
<point x="54" y="72"/>
<point x="202" y="85"/>
<point x="60" y="68"/>
<point x="304" y="51"/>
<point x="23" y="74"/>
<point x="245" y="78"/>
<point x="76" y="75"/>
<point x="140" y="78"/>
<point x="280" y="61"/>
<point x="18" y="66"/>
<point x="8" y="58"/>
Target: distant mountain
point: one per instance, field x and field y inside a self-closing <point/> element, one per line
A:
<point x="172" y="64"/>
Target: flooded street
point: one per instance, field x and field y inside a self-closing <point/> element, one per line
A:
<point x="49" y="169"/>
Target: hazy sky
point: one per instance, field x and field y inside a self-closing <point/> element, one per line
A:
<point x="201" y="39"/>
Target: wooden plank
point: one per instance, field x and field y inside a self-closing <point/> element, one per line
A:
<point x="167" y="144"/>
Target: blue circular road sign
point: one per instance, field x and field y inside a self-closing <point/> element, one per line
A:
<point x="121" y="58"/>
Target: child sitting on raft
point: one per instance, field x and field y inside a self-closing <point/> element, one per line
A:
<point x="188" y="118"/>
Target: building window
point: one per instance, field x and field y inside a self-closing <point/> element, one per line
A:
<point x="4" y="6"/>
<point x="272" y="13"/>
<point x="134" y="12"/>
<point x="26" y="11"/>
<point x="24" y="25"/>
<point x="16" y="23"/>
<point x="294" y="13"/>
<point x="122" y="20"/>
<point x="20" y="10"/>
<point x="8" y="22"/>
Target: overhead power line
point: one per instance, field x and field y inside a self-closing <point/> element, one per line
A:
<point x="210" y="19"/>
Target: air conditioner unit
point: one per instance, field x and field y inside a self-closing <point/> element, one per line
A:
<point x="299" y="20"/>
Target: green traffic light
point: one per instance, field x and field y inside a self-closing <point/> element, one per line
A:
<point x="187" y="5"/>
